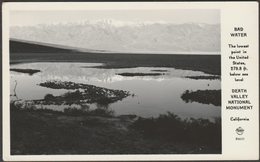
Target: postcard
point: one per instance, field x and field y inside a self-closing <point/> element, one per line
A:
<point x="134" y="81"/>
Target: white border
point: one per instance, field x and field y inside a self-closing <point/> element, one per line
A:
<point x="232" y="13"/>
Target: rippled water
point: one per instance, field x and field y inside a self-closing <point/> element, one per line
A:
<point x="154" y="94"/>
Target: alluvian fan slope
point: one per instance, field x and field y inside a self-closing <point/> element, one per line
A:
<point x="118" y="36"/>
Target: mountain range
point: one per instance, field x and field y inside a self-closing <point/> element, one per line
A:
<point x="119" y="36"/>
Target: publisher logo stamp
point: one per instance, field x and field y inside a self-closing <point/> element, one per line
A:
<point x="240" y="130"/>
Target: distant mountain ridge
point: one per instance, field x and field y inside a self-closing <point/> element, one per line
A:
<point x="116" y="36"/>
<point x="20" y="46"/>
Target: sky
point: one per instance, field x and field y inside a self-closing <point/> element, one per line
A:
<point x="180" y="16"/>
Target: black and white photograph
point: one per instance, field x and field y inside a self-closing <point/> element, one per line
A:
<point x="111" y="81"/>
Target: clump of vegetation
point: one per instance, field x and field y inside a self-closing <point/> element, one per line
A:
<point x="83" y="93"/>
<point x="140" y="74"/>
<point x="28" y="71"/>
<point x="172" y="128"/>
<point x="104" y="112"/>
<point x="203" y="96"/>
<point x="70" y="111"/>
<point x="30" y="107"/>
<point x="19" y="104"/>
<point x="49" y="97"/>
<point x="210" y="77"/>
<point x="57" y="84"/>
